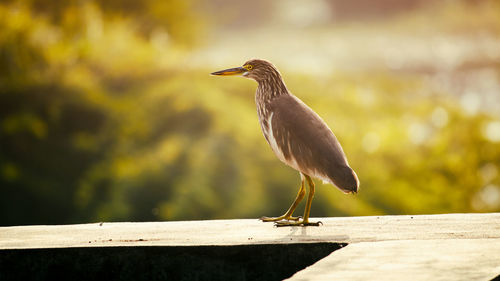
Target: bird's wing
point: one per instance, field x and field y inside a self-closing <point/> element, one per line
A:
<point x="306" y="139"/>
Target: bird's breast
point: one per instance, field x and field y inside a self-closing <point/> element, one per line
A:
<point x="267" y="130"/>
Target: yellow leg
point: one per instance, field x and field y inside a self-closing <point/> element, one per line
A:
<point x="288" y="215"/>
<point x="307" y="210"/>
<point x="305" y="219"/>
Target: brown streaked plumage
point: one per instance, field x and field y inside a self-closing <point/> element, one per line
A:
<point x="298" y="137"/>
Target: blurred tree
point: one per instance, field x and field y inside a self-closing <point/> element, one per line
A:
<point x="66" y="113"/>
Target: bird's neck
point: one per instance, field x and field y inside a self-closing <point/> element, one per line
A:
<point x="271" y="87"/>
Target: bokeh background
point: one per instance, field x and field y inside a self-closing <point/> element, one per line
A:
<point x="108" y="111"/>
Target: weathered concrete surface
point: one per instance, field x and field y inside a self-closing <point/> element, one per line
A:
<point x="246" y="232"/>
<point x="430" y="247"/>
<point x="444" y="259"/>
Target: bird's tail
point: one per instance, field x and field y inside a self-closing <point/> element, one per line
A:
<point x="348" y="182"/>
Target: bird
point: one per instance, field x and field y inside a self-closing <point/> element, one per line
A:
<point x="297" y="136"/>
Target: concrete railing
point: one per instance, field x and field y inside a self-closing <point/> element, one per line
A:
<point x="426" y="247"/>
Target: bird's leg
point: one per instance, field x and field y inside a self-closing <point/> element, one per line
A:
<point x="305" y="219"/>
<point x="288" y="215"/>
<point x="307" y="211"/>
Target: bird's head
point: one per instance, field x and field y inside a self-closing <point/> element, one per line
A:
<point x="256" y="69"/>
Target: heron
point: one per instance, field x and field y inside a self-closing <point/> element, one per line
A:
<point x="297" y="136"/>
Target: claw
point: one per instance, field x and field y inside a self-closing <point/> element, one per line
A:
<point x="297" y="223"/>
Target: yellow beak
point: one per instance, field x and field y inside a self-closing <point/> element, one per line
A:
<point x="230" y="71"/>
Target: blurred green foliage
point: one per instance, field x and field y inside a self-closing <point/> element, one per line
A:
<point x="100" y="119"/>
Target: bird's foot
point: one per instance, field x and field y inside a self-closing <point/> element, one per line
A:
<point x="283" y="218"/>
<point x="297" y="223"/>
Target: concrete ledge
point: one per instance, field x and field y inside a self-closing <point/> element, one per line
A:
<point x="446" y="247"/>
<point x="247" y="232"/>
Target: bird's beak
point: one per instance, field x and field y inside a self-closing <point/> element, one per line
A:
<point x="230" y="71"/>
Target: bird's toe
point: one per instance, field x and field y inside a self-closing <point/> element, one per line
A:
<point x="296" y="223"/>
<point x="280" y="218"/>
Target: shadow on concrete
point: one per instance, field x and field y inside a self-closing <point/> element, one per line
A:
<point x="239" y="262"/>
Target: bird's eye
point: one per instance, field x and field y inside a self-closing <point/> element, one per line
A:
<point x="249" y="66"/>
